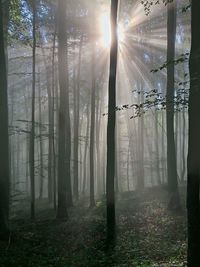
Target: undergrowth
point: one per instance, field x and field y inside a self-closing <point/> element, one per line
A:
<point x="147" y="235"/>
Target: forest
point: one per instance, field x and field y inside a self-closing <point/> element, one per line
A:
<point x="99" y="133"/>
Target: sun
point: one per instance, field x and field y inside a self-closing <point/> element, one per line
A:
<point x="105" y="31"/>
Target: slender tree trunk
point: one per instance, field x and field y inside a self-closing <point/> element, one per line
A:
<point x="18" y="151"/>
<point x="110" y="170"/>
<point x="32" y="134"/>
<point x="157" y="148"/>
<point x="193" y="186"/>
<point x="117" y="157"/>
<point x="50" y="140"/>
<point x="85" y="152"/>
<point x="64" y="120"/>
<point x="140" y="178"/>
<point x="40" y="141"/>
<point x="174" y="202"/>
<point x="183" y="174"/>
<point x="53" y="123"/>
<point x="92" y="131"/>
<point x="127" y="173"/>
<point x="97" y="130"/>
<point x="4" y="139"/>
<point x="68" y="134"/>
<point x="76" y="123"/>
<point x="163" y="148"/>
<point x="27" y="161"/>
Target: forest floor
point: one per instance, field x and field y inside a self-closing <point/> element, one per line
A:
<point x="147" y="235"/>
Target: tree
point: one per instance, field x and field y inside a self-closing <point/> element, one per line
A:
<point x="32" y="137"/>
<point x="64" y="135"/>
<point x="92" y="131"/>
<point x="4" y="141"/>
<point x="77" y="121"/>
<point x="41" y="189"/>
<point x="110" y="171"/>
<point x="193" y="185"/>
<point x="171" y="152"/>
<point x="140" y="148"/>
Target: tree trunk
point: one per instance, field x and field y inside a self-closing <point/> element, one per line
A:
<point x="64" y="120"/>
<point x="174" y="202"/>
<point x="110" y="171"/>
<point x="157" y="147"/>
<point x="140" y="177"/>
<point x="92" y="130"/>
<point x="76" y="123"/>
<point x="53" y="122"/>
<point x="32" y="134"/>
<point x="193" y="185"/>
<point x="4" y="141"/>
<point x="40" y="141"/>
<point x="50" y="139"/>
<point x="85" y="152"/>
<point x="183" y="173"/>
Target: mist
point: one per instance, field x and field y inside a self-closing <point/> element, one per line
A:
<point x="100" y="133"/>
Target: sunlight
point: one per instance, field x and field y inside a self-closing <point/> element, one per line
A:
<point x="105" y="29"/>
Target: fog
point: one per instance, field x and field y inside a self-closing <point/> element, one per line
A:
<point x="59" y="71"/>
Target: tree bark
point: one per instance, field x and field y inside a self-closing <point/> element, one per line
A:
<point x="64" y="146"/>
<point x="76" y="123"/>
<point x="85" y="151"/>
<point x="193" y="185"/>
<point x="32" y="134"/>
<point x="110" y="171"/>
<point x="174" y="202"/>
<point x="40" y="141"/>
<point x="92" y="131"/>
<point x="4" y="140"/>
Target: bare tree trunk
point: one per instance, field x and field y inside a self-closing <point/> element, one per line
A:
<point x="92" y="129"/>
<point x="193" y="205"/>
<point x="53" y="123"/>
<point x="174" y="202"/>
<point x="157" y="148"/>
<point x="40" y="140"/>
<point x="127" y="173"/>
<point x="98" y="158"/>
<point x="85" y="152"/>
<point x="76" y="123"/>
<point x="183" y="174"/>
<point x="32" y="134"/>
<point x="163" y="149"/>
<point x="64" y="140"/>
<point x="140" y="178"/>
<point x="68" y="134"/>
<point x="117" y="157"/>
<point x="4" y="139"/>
<point x="110" y="171"/>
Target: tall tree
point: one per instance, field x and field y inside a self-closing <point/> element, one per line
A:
<point x="64" y="135"/>
<point x="4" y="142"/>
<point x="41" y="189"/>
<point x="193" y="186"/>
<point x="110" y="171"/>
<point x="140" y="148"/>
<point x="92" y="131"/>
<point x="85" y="151"/>
<point x="77" y="122"/>
<point x="174" y="202"/>
<point x="32" y="133"/>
